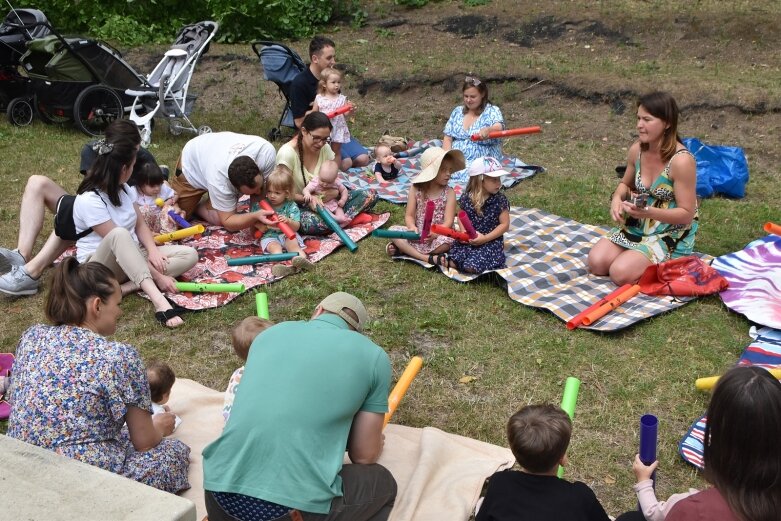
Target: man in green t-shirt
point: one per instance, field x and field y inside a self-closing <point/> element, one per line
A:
<point x="310" y="389"/>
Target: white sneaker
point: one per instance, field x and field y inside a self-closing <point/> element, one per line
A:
<point x="18" y="282"/>
<point x="9" y="259"/>
<point x="302" y="263"/>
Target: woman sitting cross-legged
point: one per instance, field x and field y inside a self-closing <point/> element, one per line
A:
<point x="304" y="155"/>
<point x="120" y="238"/>
<point x="73" y="390"/>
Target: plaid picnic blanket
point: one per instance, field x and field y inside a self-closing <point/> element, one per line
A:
<point x="754" y="276"/>
<point x="396" y="191"/>
<point x="547" y="268"/>
<point x="216" y="243"/>
<point x="763" y="351"/>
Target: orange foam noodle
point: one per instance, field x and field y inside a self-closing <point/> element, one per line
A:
<point x="450" y="232"/>
<point x="507" y="133"/>
<point x="773" y="228"/>
<point x="578" y="319"/>
<point x="610" y="305"/>
<point x="400" y="389"/>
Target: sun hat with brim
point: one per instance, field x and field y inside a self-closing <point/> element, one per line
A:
<point x="336" y="303"/>
<point x="432" y="159"/>
<point x="489" y="166"/>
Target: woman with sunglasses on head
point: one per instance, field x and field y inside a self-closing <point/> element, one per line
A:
<point x="476" y="116"/>
<point x="304" y="155"/>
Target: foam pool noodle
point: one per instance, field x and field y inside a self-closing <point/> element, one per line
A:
<point x="400" y="389"/>
<point x="204" y="287"/>
<point x="428" y="217"/>
<point x="259" y="259"/>
<point x="568" y="401"/>
<point x="331" y="222"/>
<point x="466" y="224"/>
<point x="261" y="303"/>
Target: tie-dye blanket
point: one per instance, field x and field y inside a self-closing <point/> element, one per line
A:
<point x="547" y="268"/>
<point x="764" y="351"/>
<point x="216" y="243"/>
<point x="396" y="191"/>
<point x="754" y="276"/>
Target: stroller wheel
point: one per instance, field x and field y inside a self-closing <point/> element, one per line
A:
<point x="204" y="129"/>
<point x="96" y="107"/>
<point x="20" y="112"/>
<point x="274" y="134"/>
<point x="175" y="127"/>
<point x="48" y="116"/>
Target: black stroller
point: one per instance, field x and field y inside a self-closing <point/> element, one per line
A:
<point x="280" y="65"/>
<point x="74" y="79"/>
<point x="13" y="44"/>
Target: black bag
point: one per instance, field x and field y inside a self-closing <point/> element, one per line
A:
<point x="63" y="220"/>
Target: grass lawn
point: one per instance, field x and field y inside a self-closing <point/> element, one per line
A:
<point x="574" y="68"/>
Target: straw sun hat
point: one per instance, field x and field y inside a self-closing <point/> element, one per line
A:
<point x="432" y="159"/>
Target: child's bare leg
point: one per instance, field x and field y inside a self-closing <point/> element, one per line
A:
<point x="273" y="247"/>
<point x="340" y="216"/>
<point x="406" y="248"/>
<point x="292" y="246"/>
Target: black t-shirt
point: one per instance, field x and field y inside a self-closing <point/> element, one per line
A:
<point x="517" y="496"/>
<point x="143" y="157"/>
<point x="393" y="174"/>
<point x="302" y="93"/>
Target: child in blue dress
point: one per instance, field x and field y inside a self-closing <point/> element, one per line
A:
<point x="489" y="211"/>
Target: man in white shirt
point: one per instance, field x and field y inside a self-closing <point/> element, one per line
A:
<point x="225" y="165"/>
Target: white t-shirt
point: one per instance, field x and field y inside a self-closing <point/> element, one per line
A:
<point x="206" y="158"/>
<point x="94" y="208"/>
<point x="166" y="192"/>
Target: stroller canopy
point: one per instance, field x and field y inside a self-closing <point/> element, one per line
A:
<point x="77" y="59"/>
<point x="13" y="37"/>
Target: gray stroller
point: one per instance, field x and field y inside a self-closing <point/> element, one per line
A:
<point x="165" y="92"/>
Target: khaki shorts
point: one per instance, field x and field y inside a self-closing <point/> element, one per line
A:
<point x="189" y="196"/>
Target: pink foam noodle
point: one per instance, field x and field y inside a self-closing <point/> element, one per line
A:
<point x="427" y="218"/>
<point x="466" y="224"/>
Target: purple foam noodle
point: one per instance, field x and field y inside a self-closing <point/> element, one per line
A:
<point x="178" y="219"/>
<point x="649" y="429"/>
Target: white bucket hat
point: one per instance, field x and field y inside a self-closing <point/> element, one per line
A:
<point x="489" y="166"/>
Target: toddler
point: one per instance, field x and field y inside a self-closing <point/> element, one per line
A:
<point x="279" y="192"/>
<point x="539" y="436"/>
<point x="431" y="184"/>
<point x="161" y="379"/>
<point x="489" y="212"/>
<point x="329" y="98"/>
<point x="387" y="167"/>
<point x="242" y="337"/>
<point x="151" y="186"/>
<point x="331" y="191"/>
<point x="653" y="509"/>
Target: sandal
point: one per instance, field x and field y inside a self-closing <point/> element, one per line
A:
<point x="440" y="259"/>
<point x="392" y="250"/>
<point x="164" y="316"/>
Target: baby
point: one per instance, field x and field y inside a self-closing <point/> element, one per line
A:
<point x="151" y="187"/>
<point x="387" y="166"/>
<point x="242" y="337"/>
<point x="161" y="379"/>
<point x="330" y="189"/>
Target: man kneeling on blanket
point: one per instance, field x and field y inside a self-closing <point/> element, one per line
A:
<point x="309" y="389"/>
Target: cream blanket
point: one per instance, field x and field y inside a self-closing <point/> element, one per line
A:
<point x="439" y="475"/>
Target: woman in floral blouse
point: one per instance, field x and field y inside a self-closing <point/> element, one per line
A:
<point x="73" y="390"/>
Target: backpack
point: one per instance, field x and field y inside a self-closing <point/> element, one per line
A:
<point x="395" y="143"/>
<point x="64" y="228"/>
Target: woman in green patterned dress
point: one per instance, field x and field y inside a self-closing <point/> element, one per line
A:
<point x="655" y="204"/>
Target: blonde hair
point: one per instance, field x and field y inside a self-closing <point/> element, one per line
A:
<point x="477" y="193"/>
<point x="281" y="178"/>
<point x="245" y="332"/>
<point x="324" y="75"/>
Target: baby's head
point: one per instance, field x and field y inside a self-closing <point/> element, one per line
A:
<point x="245" y="332"/>
<point x="328" y="172"/>
<point x="149" y="179"/>
<point x="161" y="378"/>
<point x="279" y="185"/>
<point x="384" y="154"/>
<point x="330" y="81"/>
<point x="539" y="436"/>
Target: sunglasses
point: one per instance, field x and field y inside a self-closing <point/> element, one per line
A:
<point x="471" y="80"/>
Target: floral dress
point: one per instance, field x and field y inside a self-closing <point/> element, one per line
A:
<point x="656" y="240"/>
<point x="70" y="391"/>
<point x="427" y="246"/>
<point x="340" y="132"/>
<point x="462" y="138"/>
<point x="488" y="256"/>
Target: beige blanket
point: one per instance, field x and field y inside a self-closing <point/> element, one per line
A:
<point x="439" y="475"/>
